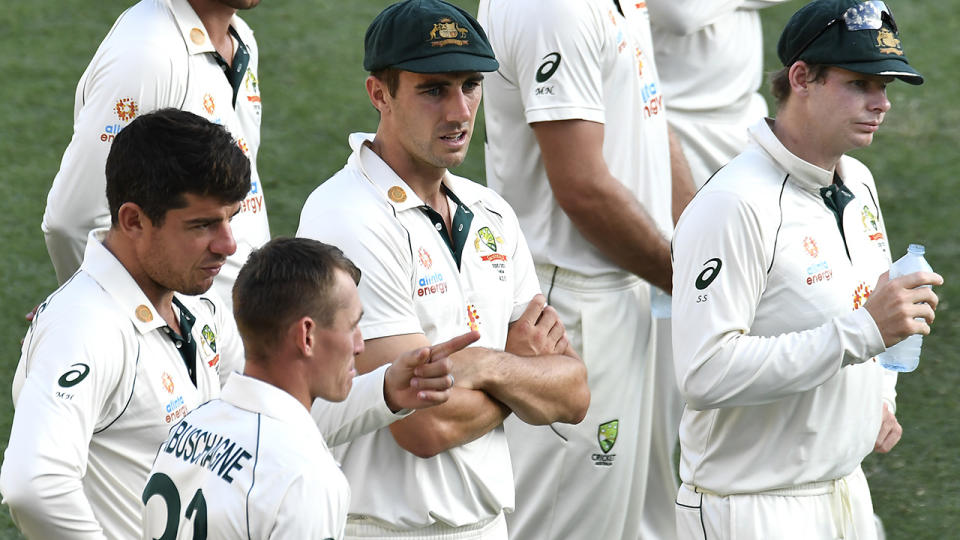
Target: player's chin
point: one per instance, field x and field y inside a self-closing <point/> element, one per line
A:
<point x="197" y="286"/>
<point x="346" y="387"/>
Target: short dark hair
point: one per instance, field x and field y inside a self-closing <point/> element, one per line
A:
<point x="390" y="77"/>
<point x="284" y="280"/>
<point x="163" y="155"/>
<point x="780" y="81"/>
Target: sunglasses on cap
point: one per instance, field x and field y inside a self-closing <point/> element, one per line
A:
<point x="868" y="15"/>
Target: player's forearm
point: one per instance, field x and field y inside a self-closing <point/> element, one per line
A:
<point x="602" y="209"/>
<point x="466" y="416"/>
<point x="612" y="219"/>
<point x="683" y="189"/>
<point x="541" y="389"/>
<point x="363" y="411"/>
<point x="734" y="369"/>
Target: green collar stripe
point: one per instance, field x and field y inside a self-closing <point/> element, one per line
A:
<point x="836" y="197"/>
<point x="461" y="225"/>
<point x="184" y="343"/>
<point x="241" y="59"/>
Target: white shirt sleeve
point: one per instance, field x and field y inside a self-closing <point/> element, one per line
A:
<point x="148" y="78"/>
<point x="72" y="376"/>
<point x="365" y="410"/>
<point x="718" y="363"/>
<point x="562" y="51"/>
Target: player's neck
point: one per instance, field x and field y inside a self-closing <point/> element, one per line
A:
<point x="281" y="374"/>
<point x="159" y="296"/>
<point x="216" y="19"/>
<point x="424" y="179"/>
<point x="800" y="137"/>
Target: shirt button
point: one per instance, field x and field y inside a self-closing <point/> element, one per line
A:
<point x="439" y="226"/>
<point x="460" y="228"/>
<point x="178" y="344"/>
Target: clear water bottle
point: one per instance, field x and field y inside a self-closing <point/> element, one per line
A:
<point x="905" y="356"/>
<point x="660" y="303"/>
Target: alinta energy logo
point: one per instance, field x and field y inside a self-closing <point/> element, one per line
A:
<point x="126" y="110"/>
<point x="606" y="437"/>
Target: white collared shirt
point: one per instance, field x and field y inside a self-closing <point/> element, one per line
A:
<point x="156" y="55"/>
<point x="412" y="284"/>
<point x="775" y="351"/>
<point x="258" y="463"/>
<point x="98" y="385"/>
<point x="579" y="60"/>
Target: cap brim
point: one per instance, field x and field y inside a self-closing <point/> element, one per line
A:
<point x="449" y="62"/>
<point x="891" y="66"/>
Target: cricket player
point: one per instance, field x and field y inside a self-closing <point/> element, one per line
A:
<point x="252" y="464"/>
<point x="780" y="280"/>
<point x="710" y="60"/>
<point x="194" y="55"/>
<point x="440" y="255"/>
<point x="132" y="342"/>
<point x="710" y="56"/>
<point x="577" y="142"/>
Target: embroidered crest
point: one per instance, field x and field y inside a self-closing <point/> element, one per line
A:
<point x="447" y="32"/>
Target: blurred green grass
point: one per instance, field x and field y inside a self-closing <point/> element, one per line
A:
<point x="312" y="84"/>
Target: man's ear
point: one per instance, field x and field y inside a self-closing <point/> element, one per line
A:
<point x="799" y="77"/>
<point x="131" y="220"/>
<point x="303" y="330"/>
<point x="379" y="93"/>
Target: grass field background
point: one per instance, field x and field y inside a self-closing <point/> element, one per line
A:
<point x="312" y="85"/>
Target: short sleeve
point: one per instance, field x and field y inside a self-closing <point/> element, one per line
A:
<point x="556" y="63"/>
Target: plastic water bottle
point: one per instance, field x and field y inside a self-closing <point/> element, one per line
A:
<point x="905" y="356"/>
<point x="660" y="303"/>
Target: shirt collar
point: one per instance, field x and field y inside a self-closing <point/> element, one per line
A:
<point x="192" y="29"/>
<point x="100" y="264"/>
<point x="259" y="396"/>
<point x="392" y="187"/>
<point x="113" y="278"/>
<point x="802" y="173"/>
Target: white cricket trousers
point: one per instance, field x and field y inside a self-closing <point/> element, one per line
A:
<point x="588" y="481"/>
<point x="827" y="510"/>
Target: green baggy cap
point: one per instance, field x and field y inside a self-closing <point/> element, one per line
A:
<point x="849" y="34"/>
<point x="427" y="36"/>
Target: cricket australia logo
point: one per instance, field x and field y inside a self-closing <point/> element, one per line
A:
<point x="208" y="347"/>
<point x="209" y="338"/>
<point x="888" y="43"/>
<point x="447" y="32"/>
<point x="606" y="437"/>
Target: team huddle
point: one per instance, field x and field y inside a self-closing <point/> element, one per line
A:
<point x="430" y="358"/>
